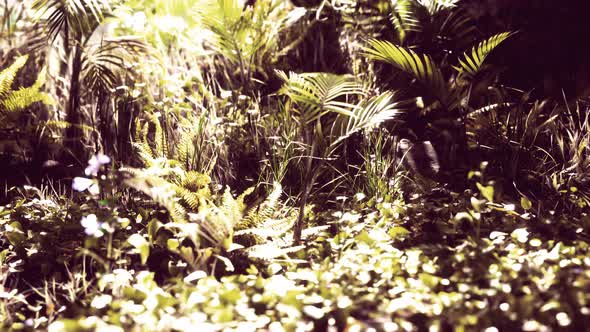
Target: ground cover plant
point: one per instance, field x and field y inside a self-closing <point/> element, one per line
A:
<point x="282" y="165"/>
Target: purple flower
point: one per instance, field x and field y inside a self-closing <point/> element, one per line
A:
<point x="95" y="163"/>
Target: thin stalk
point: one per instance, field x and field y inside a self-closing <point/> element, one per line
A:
<point x="308" y="183"/>
<point x="73" y="134"/>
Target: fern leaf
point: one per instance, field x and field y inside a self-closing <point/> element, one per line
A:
<point x="159" y="190"/>
<point x="186" y="147"/>
<point x="230" y="207"/>
<point x="7" y="75"/>
<point x="257" y="216"/>
<point x="18" y="100"/>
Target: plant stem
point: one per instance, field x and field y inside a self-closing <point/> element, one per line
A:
<point x="73" y="136"/>
<point x="308" y="183"/>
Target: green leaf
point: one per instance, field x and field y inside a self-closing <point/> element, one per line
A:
<point x="486" y="191"/>
<point x="172" y="244"/>
<point x="463" y="216"/>
<point x="15" y="234"/>
<point x="398" y="231"/>
<point x="525" y="203"/>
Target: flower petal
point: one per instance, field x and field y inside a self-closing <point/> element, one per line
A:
<point x="81" y="184"/>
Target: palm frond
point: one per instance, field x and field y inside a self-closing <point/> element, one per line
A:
<point x="436" y="6"/>
<point x="104" y="64"/>
<point x="80" y="15"/>
<point x="471" y="62"/>
<point x="368" y="114"/>
<point x="405" y="18"/>
<point x="422" y="67"/>
<point x="222" y="18"/>
<point x="318" y="94"/>
<point x="458" y="28"/>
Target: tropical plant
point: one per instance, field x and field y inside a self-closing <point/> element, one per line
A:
<point x="444" y="102"/>
<point x="13" y="101"/>
<point x="247" y="37"/>
<point x="209" y="220"/>
<point x="432" y="26"/>
<point x="330" y="108"/>
<point x="94" y="66"/>
<point x="19" y="128"/>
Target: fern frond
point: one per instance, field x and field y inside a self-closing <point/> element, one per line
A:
<point x="269" y="228"/>
<point x="12" y="101"/>
<point x="160" y="139"/>
<point x="265" y="211"/>
<point x="231" y="208"/>
<point x="186" y="147"/>
<point x="144" y="152"/>
<point x="243" y="196"/>
<point x="196" y="181"/>
<point x="217" y="227"/>
<point x="192" y="199"/>
<point x="159" y="190"/>
<point x="471" y="62"/>
<point x="7" y="75"/>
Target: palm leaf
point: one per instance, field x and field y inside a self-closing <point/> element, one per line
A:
<point x="104" y="64"/>
<point x="458" y="28"/>
<point x="80" y="15"/>
<point x="320" y="93"/>
<point x="405" y="18"/>
<point x="471" y="62"/>
<point x="222" y="18"/>
<point x="436" y="6"/>
<point x="422" y="67"/>
<point x="368" y="114"/>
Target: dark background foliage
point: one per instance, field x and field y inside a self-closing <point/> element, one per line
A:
<point x="550" y="52"/>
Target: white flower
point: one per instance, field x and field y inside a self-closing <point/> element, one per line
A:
<point x="91" y="225"/>
<point x="81" y="184"/>
<point x="101" y="301"/>
<point x="95" y="163"/>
